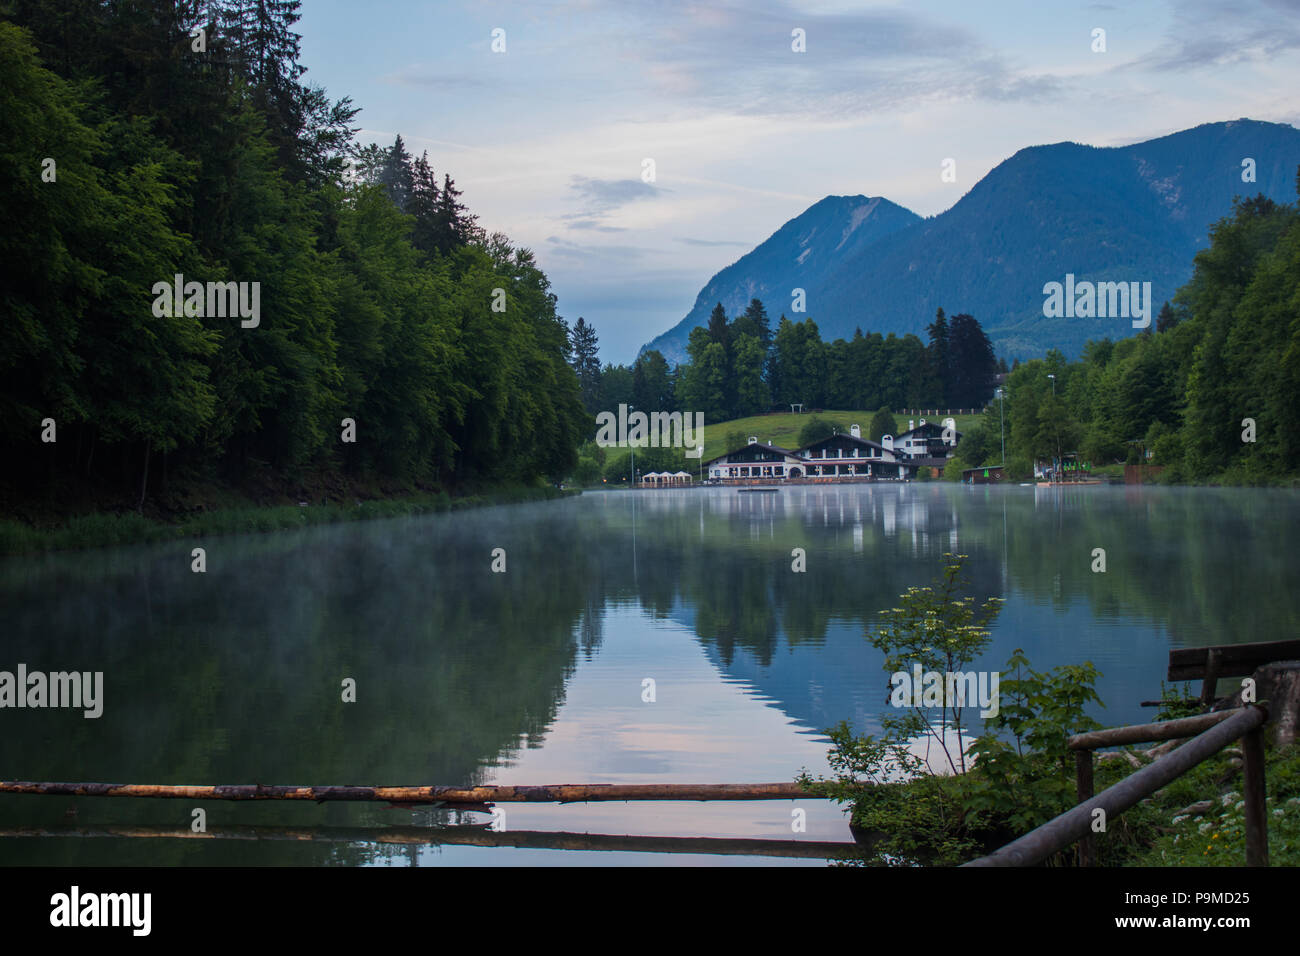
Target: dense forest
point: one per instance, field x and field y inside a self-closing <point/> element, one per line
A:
<point x="396" y="344"/>
<point x="739" y="367"/>
<point x="1211" y="392"/>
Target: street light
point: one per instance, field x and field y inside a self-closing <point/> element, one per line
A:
<point x="632" y="448"/>
<point x="1001" y="393"/>
<point x="1056" y="465"/>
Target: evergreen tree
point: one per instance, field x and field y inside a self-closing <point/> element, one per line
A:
<point x="586" y="362"/>
<point x="1166" y="320"/>
<point x="971" y="365"/>
<point x="397" y="175"/>
<point x="882" y="423"/>
<point x="718" y="325"/>
<point x="423" y="205"/>
<point x="455" y="226"/>
<point x="652" y="382"/>
<point x="751" y="395"/>
<point x="754" y="321"/>
<point x="938" y="360"/>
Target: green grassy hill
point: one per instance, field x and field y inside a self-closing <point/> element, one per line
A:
<point x="779" y="428"/>
<point x="782" y="428"/>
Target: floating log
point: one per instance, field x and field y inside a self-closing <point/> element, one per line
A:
<point x="466" y="836"/>
<point x="562" y="793"/>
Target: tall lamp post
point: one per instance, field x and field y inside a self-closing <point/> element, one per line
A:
<point x="1056" y="465"/>
<point x="1002" y="429"/>
<point x="632" y="448"/>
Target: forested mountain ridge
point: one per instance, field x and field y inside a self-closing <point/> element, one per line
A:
<point x="1133" y="213"/>
<point x="801" y="254"/>
<point x="397" y="342"/>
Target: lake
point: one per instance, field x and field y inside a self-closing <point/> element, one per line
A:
<point x="541" y="674"/>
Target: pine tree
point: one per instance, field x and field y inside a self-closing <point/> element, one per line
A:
<point x="455" y="226"/>
<point x="397" y="175"/>
<point x="938" y="362"/>
<point x="262" y="36"/>
<point x="423" y="205"/>
<point x="882" y="423"/>
<point x="1166" y="320"/>
<point x="586" y="361"/>
<point x="972" y="367"/>
<point x="718" y="325"/>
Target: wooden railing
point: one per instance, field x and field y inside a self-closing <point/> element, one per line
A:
<point x="1213" y="732"/>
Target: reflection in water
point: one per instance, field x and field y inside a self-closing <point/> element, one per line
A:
<point x="479" y="836"/>
<point x="536" y="675"/>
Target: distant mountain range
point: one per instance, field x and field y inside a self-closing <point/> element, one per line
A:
<point x="1135" y="213"/>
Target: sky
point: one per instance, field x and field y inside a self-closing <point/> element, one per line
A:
<point x="639" y="146"/>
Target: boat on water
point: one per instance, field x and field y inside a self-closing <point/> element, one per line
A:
<point x="758" y="490"/>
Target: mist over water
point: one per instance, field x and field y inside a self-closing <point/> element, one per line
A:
<point x="536" y="675"/>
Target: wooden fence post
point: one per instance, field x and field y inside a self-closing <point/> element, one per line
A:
<point x="1083" y="789"/>
<point x="1211" y="681"/>
<point x="1252" y="771"/>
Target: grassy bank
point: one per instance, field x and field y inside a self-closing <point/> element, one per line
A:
<point x="779" y="428"/>
<point x="782" y="428"/>
<point x="108" y="529"/>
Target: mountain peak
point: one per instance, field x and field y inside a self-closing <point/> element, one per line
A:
<point x="798" y="255"/>
<point x="1137" y="212"/>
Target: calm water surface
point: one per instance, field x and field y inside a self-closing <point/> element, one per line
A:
<point x="537" y="675"/>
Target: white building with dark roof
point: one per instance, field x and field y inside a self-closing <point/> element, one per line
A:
<point x="852" y="456"/>
<point x="838" y="457"/>
<point x="756" y="461"/>
<point x="929" y="440"/>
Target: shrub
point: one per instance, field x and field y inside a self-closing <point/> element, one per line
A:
<point x="815" y="430"/>
<point x="1012" y="779"/>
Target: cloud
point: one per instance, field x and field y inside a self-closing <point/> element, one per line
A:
<point x="594" y="225"/>
<point x="604" y="195"/>
<point x="601" y="198"/>
<point x="739" y="59"/>
<point x="1201" y="36"/>
<point x="590" y="253"/>
<point x="712" y="242"/>
<point x="423" y="76"/>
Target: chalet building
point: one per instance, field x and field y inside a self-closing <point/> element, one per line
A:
<point x="757" y="460"/>
<point x="839" y="457"/>
<point x="852" y="456"/>
<point x="927" y="441"/>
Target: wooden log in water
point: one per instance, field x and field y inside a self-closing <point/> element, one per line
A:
<point x="561" y="793"/>
<point x="463" y="836"/>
